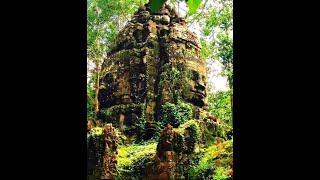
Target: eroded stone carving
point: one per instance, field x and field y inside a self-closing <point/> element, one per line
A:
<point x="138" y="75"/>
<point x="173" y="155"/>
<point x="110" y="153"/>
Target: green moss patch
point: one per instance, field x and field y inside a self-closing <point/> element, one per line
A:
<point x="175" y="114"/>
<point x="132" y="159"/>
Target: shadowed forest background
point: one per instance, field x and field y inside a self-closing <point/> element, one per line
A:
<point x="212" y="22"/>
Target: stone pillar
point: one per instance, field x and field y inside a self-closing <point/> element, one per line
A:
<point x="110" y="153"/>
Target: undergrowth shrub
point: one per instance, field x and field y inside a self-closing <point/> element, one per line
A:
<point x="132" y="159"/>
<point x="175" y="114"/>
<point x="215" y="162"/>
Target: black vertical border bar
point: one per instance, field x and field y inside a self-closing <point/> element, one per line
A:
<point x="83" y="85"/>
<point x="236" y="91"/>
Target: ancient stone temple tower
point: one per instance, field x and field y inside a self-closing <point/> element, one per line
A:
<point x="155" y="60"/>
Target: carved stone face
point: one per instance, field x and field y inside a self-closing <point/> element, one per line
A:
<point x="184" y="50"/>
<point x="106" y="94"/>
<point x="197" y="83"/>
<point x="155" y="60"/>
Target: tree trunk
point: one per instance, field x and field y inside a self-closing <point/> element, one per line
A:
<point x="230" y="82"/>
<point x="97" y="86"/>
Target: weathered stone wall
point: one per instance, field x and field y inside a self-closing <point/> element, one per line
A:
<point x="155" y="60"/>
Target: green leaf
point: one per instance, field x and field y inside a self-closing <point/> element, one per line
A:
<point x="193" y="6"/>
<point x="155" y="5"/>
